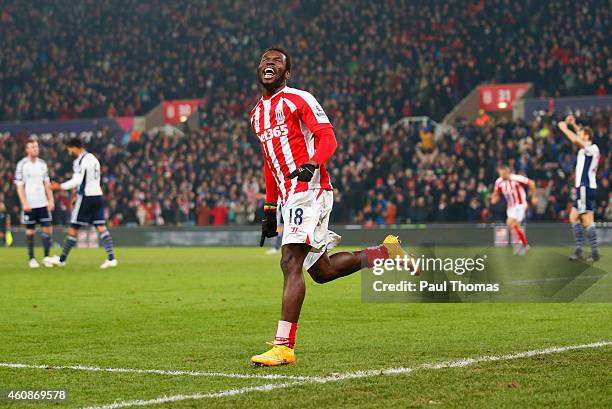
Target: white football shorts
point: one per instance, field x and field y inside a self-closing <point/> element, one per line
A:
<point x="306" y="221"/>
<point x="517" y="213"/>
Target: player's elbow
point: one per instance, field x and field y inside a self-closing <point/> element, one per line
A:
<point x="333" y="144"/>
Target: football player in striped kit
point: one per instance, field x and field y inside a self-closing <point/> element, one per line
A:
<point x="89" y="205"/>
<point x="512" y="186"/>
<point x="297" y="139"/>
<point x="585" y="187"/>
<point x="36" y="197"/>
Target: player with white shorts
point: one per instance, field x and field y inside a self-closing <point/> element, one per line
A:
<point x="36" y="197"/>
<point x="585" y="187"/>
<point x="297" y="139"/>
<point x="306" y="216"/>
<point x="512" y="186"/>
<point x="89" y="204"/>
<point x="517" y="213"/>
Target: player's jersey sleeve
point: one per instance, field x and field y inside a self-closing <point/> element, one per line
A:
<point x="591" y="150"/>
<point x="497" y="187"/>
<point x="271" y="188"/>
<point x="520" y="179"/>
<point x="77" y="176"/>
<point x="310" y="111"/>
<point x="19" y="174"/>
<point x="45" y="171"/>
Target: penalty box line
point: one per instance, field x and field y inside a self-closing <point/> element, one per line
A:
<point x="154" y="371"/>
<point x="351" y="375"/>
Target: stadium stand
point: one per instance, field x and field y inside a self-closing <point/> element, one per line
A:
<point x="63" y="60"/>
<point x="387" y="179"/>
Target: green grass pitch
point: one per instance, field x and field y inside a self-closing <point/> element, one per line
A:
<point x="210" y="309"/>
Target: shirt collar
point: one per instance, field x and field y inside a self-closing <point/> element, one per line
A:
<point x="273" y="95"/>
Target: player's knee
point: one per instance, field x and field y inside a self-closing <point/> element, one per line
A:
<point x="289" y="263"/>
<point x="321" y="273"/>
<point x="319" y="277"/>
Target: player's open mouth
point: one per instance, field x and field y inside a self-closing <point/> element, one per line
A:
<point x="269" y="73"/>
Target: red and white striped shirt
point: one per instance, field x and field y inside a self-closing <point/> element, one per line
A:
<point x="513" y="189"/>
<point x="285" y="124"/>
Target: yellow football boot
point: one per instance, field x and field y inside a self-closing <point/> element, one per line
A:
<point x="278" y="355"/>
<point x="394" y="247"/>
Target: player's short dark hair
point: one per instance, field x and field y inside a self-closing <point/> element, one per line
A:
<point x="74" y="143"/>
<point x="30" y="140"/>
<point x="283" y="51"/>
<point x="588" y="131"/>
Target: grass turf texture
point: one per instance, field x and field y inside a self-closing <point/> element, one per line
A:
<point x="210" y="309"/>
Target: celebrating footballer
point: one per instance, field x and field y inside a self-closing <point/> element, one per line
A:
<point x="297" y="140"/>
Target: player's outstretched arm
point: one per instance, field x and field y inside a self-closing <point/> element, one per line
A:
<point x="575" y="139"/>
<point x="77" y="178"/>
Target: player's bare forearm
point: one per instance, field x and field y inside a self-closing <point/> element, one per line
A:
<point x="532" y="186"/>
<point x="533" y="192"/>
<point x="22" y="197"/>
<point x="494" y="198"/>
<point x="49" y="192"/>
<point x="563" y="126"/>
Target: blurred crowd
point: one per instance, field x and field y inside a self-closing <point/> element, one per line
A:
<point x="158" y="179"/>
<point x="369" y="64"/>
<point x="407" y="176"/>
<point x="402" y="175"/>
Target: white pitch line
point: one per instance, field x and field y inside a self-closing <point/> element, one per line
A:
<point x="154" y="371"/>
<point x="351" y="375"/>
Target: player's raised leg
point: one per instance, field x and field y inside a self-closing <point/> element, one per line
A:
<point x="341" y="264"/>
